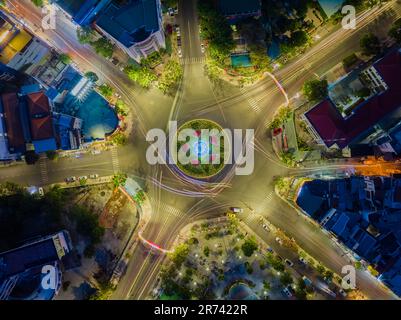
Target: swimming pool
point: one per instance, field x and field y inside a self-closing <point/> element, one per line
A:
<point x="99" y="120"/>
<point x="241" y="60"/>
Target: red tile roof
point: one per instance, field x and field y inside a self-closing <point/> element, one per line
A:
<point x="40" y="116"/>
<point x="15" y="134"/>
<point x="332" y="128"/>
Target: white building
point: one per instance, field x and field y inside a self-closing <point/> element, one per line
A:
<point x="136" y="26"/>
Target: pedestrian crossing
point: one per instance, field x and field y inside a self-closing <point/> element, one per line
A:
<point x="43" y="170"/>
<point x="165" y="208"/>
<point x="255" y="106"/>
<point x="193" y="60"/>
<point x="115" y="160"/>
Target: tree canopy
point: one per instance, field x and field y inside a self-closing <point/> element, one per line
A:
<point x="315" y="90"/>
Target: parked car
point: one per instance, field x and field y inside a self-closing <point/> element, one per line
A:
<point x="264" y="226"/>
<point x="236" y="210"/>
<point x="270" y="250"/>
<point x="279" y="241"/>
<point x="175" y="11"/>
<point x="202" y="48"/>
<point x="170" y="11"/>
<point x="70" y="179"/>
<point x="95" y="152"/>
<point x="289" y="262"/>
<point x="178" y="31"/>
<point x="94" y="176"/>
<point x="179" y="52"/>
<point x="83" y="178"/>
<point x="288" y="291"/>
<point x="41" y="192"/>
<point x="342" y="292"/>
<point x="302" y="260"/>
<point x="307" y="281"/>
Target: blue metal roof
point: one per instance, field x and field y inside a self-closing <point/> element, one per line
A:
<point x="131" y="22"/>
<point x="45" y="145"/>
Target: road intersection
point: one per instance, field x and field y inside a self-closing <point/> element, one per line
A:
<point x="174" y="203"/>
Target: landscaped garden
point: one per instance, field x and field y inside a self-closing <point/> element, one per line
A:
<point x="204" y="152"/>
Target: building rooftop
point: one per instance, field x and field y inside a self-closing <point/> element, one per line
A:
<point x="334" y="129"/>
<point x="38" y="253"/>
<point x="40" y="116"/>
<point x="15" y="133"/>
<point x="130" y="21"/>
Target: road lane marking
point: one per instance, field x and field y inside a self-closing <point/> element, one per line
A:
<point x="43" y="169"/>
<point x="115" y="161"/>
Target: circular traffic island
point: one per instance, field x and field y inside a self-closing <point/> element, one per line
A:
<point x="200" y="149"/>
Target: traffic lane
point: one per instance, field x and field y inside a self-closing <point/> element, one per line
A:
<point x="80" y="165"/>
<point x="22" y="174"/>
<point x="190" y="29"/>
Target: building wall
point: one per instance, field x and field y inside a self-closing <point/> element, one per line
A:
<point x="141" y="50"/>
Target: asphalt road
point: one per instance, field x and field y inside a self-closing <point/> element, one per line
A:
<point x="233" y="108"/>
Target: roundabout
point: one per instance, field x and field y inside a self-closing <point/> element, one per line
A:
<point x="200" y="145"/>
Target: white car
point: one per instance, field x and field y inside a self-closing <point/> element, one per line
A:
<point x="178" y="31"/>
<point x="287" y="292"/>
<point x="289" y="262"/>
<point x="83" y="178"/>
<point x="41" y="192"/>
<point x="264" y="226"/>
<point x="94" y="176"/>
<point x="95" y="152"/>
<point x="237" y="210"/>
<point x="279" y="241"/>
<point x="179" y="51"/>
<point x="70" y="179"/>
<point x="202" y="48"/>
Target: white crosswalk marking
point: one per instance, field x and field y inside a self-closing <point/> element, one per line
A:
<point x="251" y="101"/>
<point x="165" y="208"/>
<point x="192" y="60"/>
<point x="269" y="196"/>
<point x="43" y="169"/>
<point x="115" y="161"/>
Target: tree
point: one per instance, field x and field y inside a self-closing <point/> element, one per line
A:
<point x="249" y="247"/>
<point x="120" y="139"/>
<point x="85" y="35"/>
<point x="350" y="60"/>
<point x="370" y="44"/>
<point x="121" y="108"/>
<point x="395" y="31"/>
<point x="259" y="57"/>
<point x="65" y="58"/>
<point x="286" y="279"/>
<point x="38" y="3"/>
<point x="315" y="90"/>
<point x="92" y="76"/>
<point x="206" y="251"/>
<point x="87" y="224"/>
<point x="142" y="75"/>
<point x="106" y="90"/>
<point x="119" y="180"/>
<point x="52" y="155"/>
<point x="170" y="77"/>
<point x="103" y="47"/>
<point x="216" y="30"/>
<point x="179" y="255"/>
